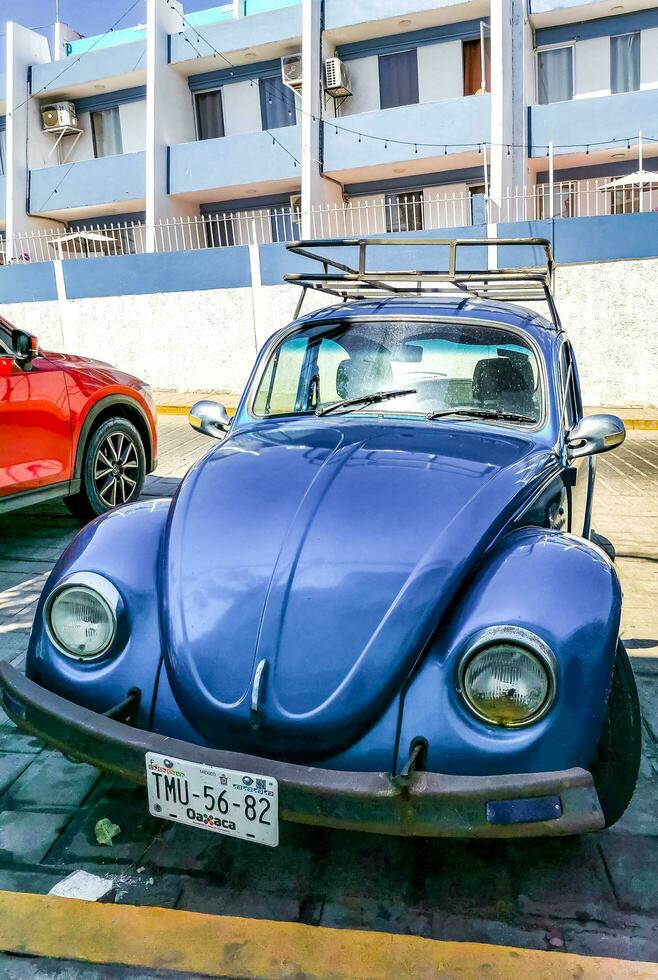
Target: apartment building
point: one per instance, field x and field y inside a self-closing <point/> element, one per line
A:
<point x="270" y="120"/>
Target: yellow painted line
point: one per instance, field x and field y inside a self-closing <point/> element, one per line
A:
<point x="184" y="410"/>
<point x="224" y="946"/>
<point x="181" y="410"/>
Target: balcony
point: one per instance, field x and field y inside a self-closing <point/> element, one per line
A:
<point x="341" y="15"/>
<point x="587" y="121"/>
<point x="266" y="24"/>
<point x="117" y="181"/>
<point x="228" y="167"/>
<point x="127" y="61"/>
<point x="562" y="11"/>
<point x="462" y="123"/>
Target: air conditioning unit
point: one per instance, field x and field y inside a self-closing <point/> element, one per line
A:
<point x="291" y="71"/>
<point x="336" y="78"/>
<point x="58" y="116"/>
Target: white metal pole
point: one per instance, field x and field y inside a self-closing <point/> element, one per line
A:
<point x="483" y="62"/>
<point x="550" y="180"/>
<point x="639" y="160"/>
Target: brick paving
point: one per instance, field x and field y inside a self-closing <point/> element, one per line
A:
<point x="596" y="894"/>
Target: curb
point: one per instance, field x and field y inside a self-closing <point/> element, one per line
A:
<point x="185" y="409"/>
<point x="154" y="938"/>
<point x="630" y="423"/>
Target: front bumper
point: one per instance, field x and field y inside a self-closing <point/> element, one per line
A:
<point x="421" y="804"/>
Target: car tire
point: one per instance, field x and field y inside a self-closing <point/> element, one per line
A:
<point x="616" y="763"/>
<point x="604" y="543"/>
<point x="113" y="469"/>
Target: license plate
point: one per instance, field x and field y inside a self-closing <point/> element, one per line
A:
<point x="226" y="801"/>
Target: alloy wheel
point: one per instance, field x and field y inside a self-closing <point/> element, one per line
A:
<point x="115" y="469"/>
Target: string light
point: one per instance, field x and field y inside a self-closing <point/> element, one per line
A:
<point x="399" y="142"/>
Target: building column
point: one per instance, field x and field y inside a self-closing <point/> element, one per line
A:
<point x="169" y="116"/>
<point x="63" y="33"/>
<point x="508" y="116"/>
<point x="316" y="189"/>
<point x="23" y="132"/>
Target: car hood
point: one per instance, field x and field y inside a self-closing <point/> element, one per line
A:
<point x="307" y="565"/>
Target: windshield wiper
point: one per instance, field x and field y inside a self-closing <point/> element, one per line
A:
<point x="480" y="413"/>
<point x="371" y="399"/>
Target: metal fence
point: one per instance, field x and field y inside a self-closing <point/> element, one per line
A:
<point x="411" y="211"/>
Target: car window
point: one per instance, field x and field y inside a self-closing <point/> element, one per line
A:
<point x="448" y="365"/>
<point x="567" y="370"/>
<point x="5" y="343"/>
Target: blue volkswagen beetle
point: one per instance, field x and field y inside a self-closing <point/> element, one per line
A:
<point x="376" y="603"/>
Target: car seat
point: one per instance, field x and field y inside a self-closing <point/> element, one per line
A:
<point x="361" y="376"/>
<point x="499" y="382"/>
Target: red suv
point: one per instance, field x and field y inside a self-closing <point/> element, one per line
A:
<point x="70" y="427"/>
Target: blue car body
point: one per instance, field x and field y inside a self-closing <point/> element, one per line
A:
<point x="356" y="554"/>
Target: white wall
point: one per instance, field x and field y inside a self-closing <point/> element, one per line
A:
<point x="592" y="68"/>
<point x="24" y="48"/>
<point x="616" y="339"/>
<point x="241" y="106"/>
<point x="440" y="76"/>
<point x="133" y="126"/>
<point x="440" y="71"/>
<point x="169" y="116"/>
<point x="649" y="58"/>
<point x="132" y="118"/>
<point x="364" y="79"/>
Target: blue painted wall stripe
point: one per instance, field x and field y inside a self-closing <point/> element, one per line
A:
<point x="32" y="282"/>
<point x="417" y="181"/>
<point x="463" y="30"/>
<point x="246" y="203"/>
<point x="575" y="240"/>
<point x="171" y="272"/>
<point x="209" y="80"/>
<point x="110" y="100"/>
<point x="637" y="20"/>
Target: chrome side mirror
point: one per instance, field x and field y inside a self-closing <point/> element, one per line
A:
<point x="209" y="418"/>
<point x="595" y="434"/>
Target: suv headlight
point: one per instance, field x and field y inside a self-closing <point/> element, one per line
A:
<point x="81" y="616"/>
<point x="508" y="676"/>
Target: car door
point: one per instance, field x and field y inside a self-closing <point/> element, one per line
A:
<point x="35" y="427"/>
<point x="579" y="472"/>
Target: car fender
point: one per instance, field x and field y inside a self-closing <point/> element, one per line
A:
<point x="564" y="589"/>
<point x="123" y="546"/>
<point x="128" y="404"/>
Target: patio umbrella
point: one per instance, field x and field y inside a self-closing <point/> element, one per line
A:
<point x="84" y="243"/>
<point x="640" y="178"/>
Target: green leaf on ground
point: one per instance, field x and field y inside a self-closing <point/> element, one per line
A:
<point x="106" y="830"/>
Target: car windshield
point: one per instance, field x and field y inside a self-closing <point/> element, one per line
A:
<point x="407" y="366"/>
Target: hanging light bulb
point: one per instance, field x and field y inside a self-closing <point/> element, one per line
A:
<point x="445" y="151"/>
<point x="415" y="148"/>
<point x="508" y="150"/>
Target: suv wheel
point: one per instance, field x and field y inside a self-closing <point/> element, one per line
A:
<point x="616" y="762"/>
<point x="113" y="469"/>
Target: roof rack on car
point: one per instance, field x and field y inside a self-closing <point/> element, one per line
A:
<point x="361" y="281"/>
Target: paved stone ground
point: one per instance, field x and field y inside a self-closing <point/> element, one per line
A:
<point x="595" y="894"/>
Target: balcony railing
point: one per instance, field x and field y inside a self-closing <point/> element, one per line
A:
<point x="414" y="211"/>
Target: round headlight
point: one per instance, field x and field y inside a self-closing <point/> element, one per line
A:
<point x="81" y="621"/>
<point x="508" y="684"/>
